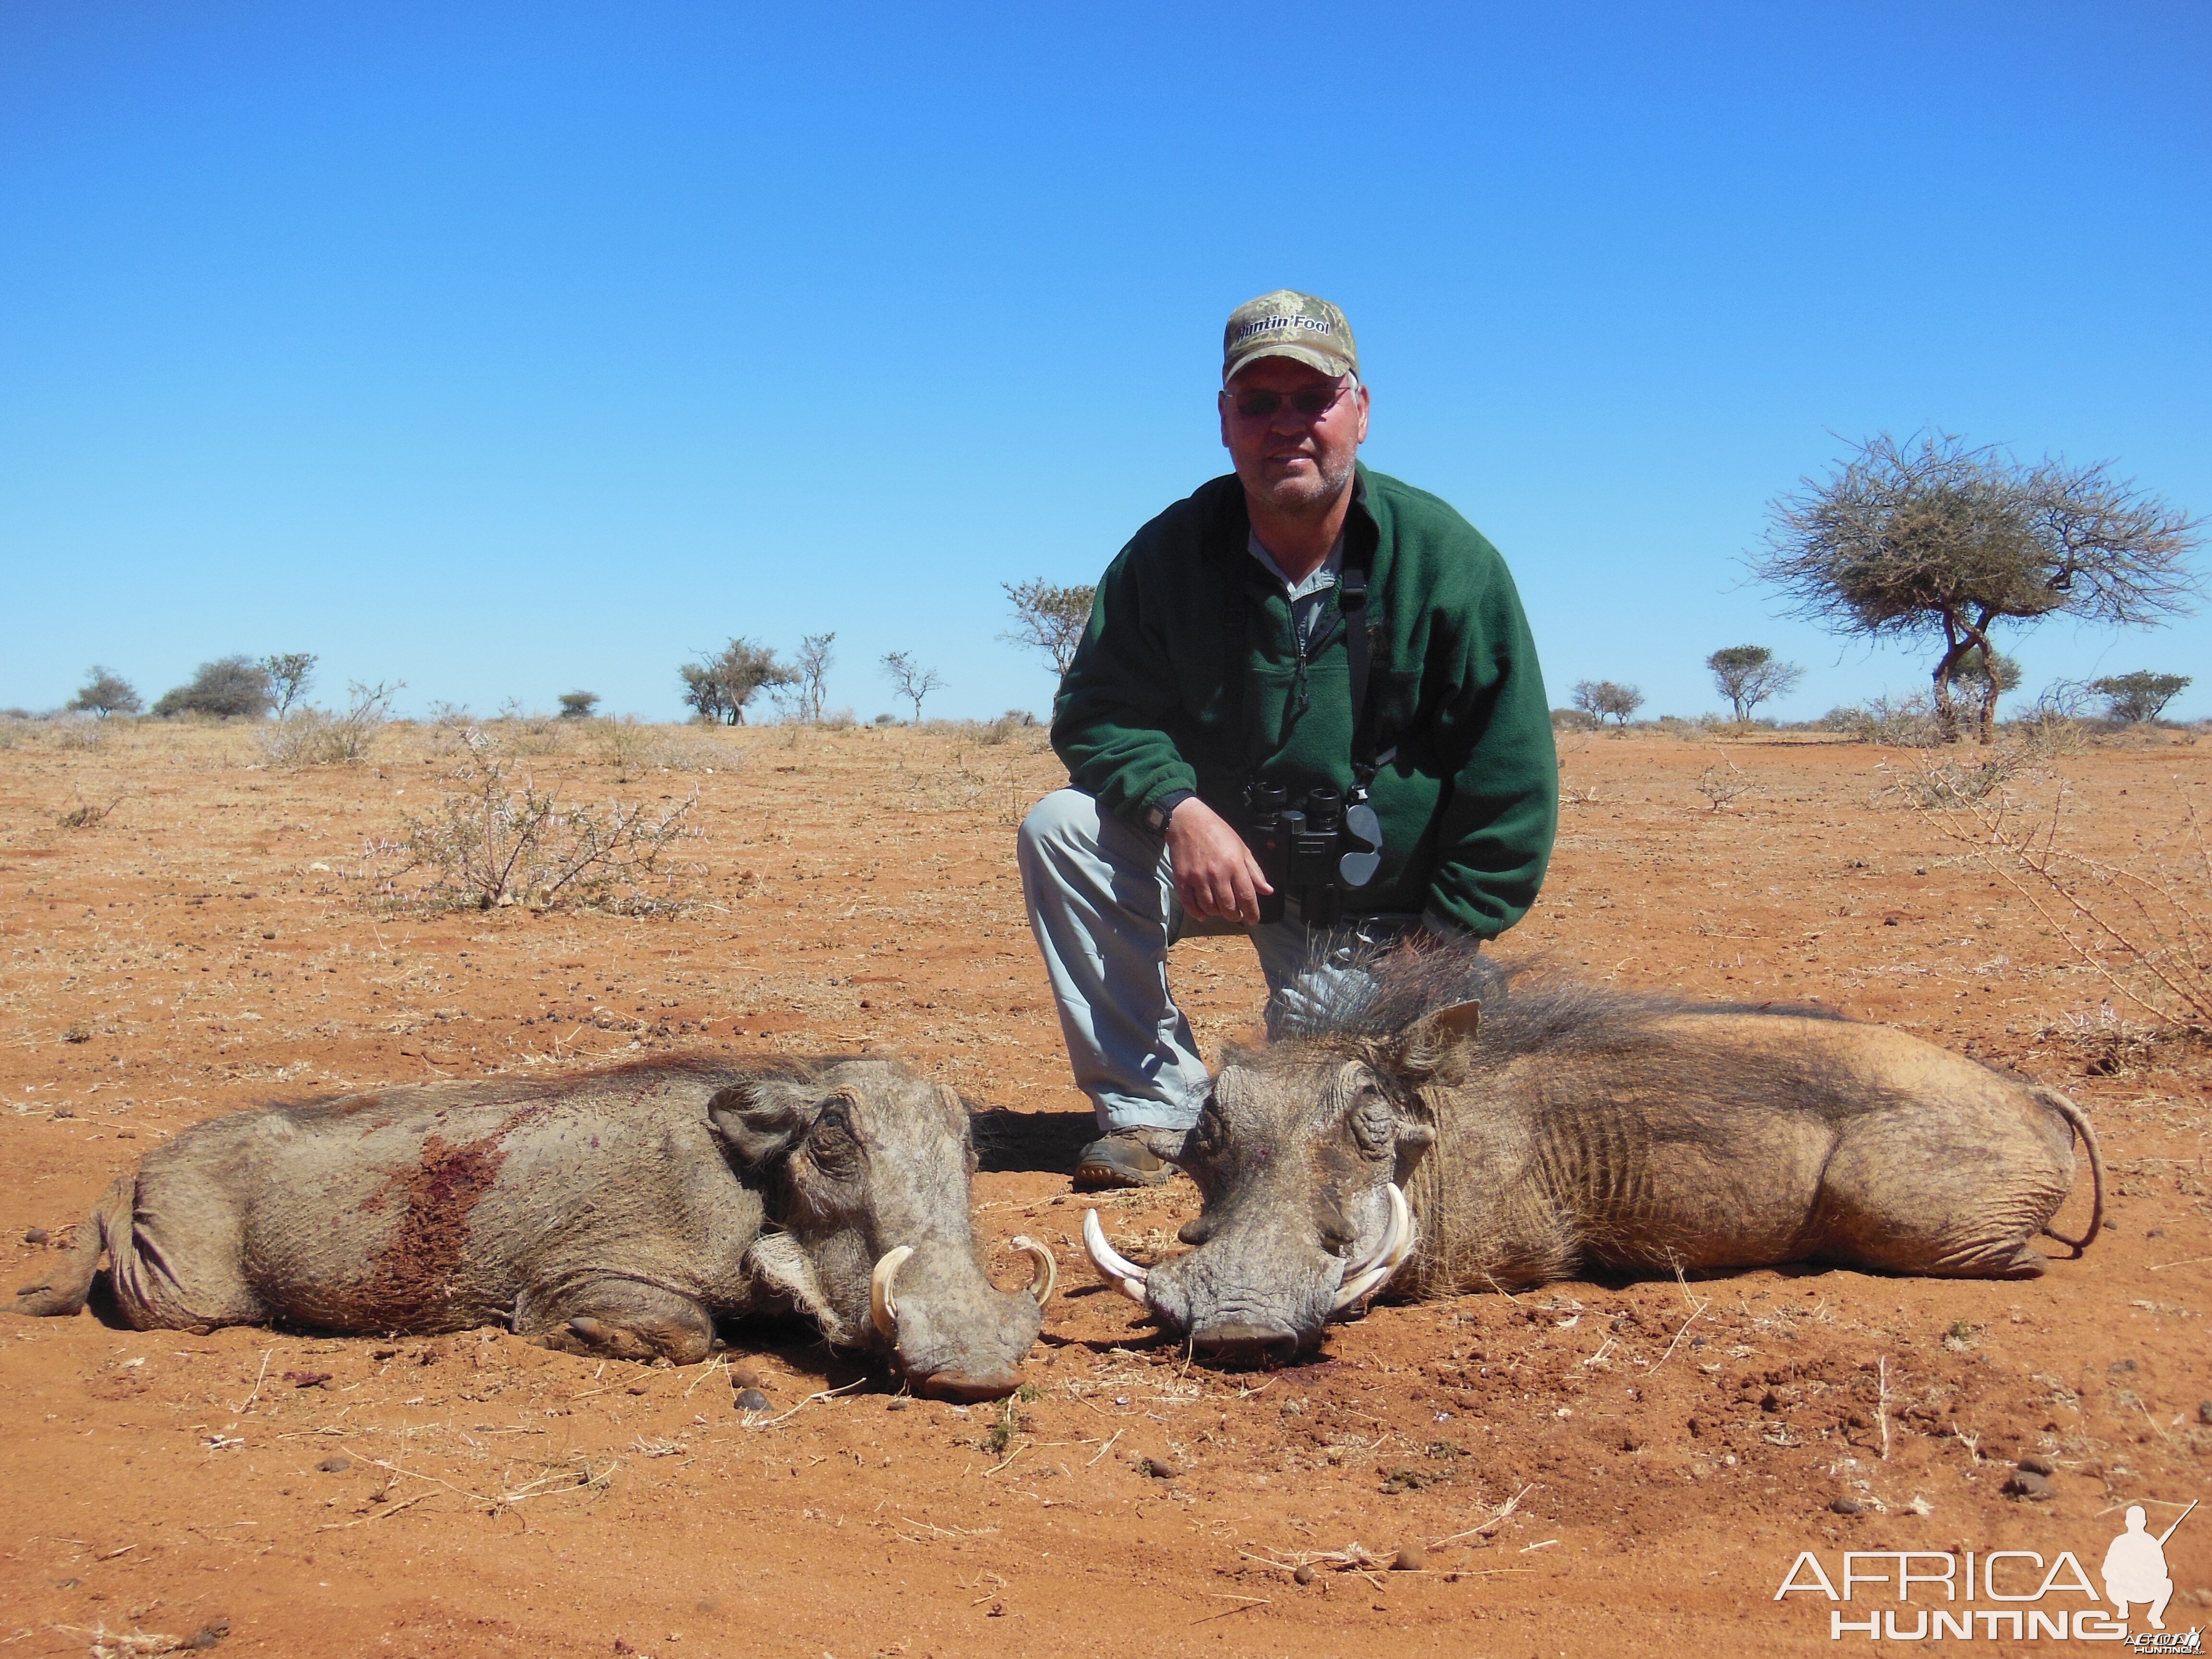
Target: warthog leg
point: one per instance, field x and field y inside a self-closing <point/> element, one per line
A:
<point x="622" y="1319"/>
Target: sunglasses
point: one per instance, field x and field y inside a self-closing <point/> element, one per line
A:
<point x="1312" y="402"/>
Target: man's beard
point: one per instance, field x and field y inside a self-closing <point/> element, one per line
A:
<point x="1305" y="497"/>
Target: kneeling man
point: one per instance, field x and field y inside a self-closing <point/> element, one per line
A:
<point x="1307" y="707"/>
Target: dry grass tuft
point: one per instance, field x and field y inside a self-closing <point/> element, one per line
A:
<point x="2141" y="924"/>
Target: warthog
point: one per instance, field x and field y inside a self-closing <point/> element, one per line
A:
<point x="619" y="1213"/>
<point x="1636" y="1132"/>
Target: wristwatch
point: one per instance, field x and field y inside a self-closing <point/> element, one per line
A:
<point x="1157" y="815"/>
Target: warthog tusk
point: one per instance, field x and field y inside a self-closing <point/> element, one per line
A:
<point x="883" y="1309"/>
<point x="1123" y="1275"/>
<point x="1047" y="1270"/>
<point x="1397" y="1244"/>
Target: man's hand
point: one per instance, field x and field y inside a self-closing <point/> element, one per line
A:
<point x="1215" y="873"/>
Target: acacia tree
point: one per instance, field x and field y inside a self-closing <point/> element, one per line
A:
<point x="815" y="661"/>
<point x="106" y="692"/>
<point x="227" y="688"/>
<point x="1606" y="700"/>
<point x="720" y="686"/>
<point x="289" y="674"/>
<point x="578" y="705"/>
<point x="1993" y="676"/>
<point x="2138" y="697"/>
<point x="1748" y="675"/>
<point x="1049" y="619"/>
<point x="1934" y="539"/>
<point x="912" y="681"/>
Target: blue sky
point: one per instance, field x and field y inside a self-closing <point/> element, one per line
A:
<point x="506" y="348"/>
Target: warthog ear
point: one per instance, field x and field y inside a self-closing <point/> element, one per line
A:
<point x="760" y="1119"/>
<point x="1435" y="1045"/>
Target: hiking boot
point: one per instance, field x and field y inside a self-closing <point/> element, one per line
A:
<point x="1120" y="1160"/>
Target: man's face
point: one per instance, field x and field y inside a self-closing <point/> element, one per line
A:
<point x="1294" y="462"/>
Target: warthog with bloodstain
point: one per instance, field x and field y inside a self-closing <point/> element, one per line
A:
<point x="1448" y="1133"/>
<point x="619" y="1213"/>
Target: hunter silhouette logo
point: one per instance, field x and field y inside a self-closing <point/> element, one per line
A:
<point x="2135" y="1567"/>
<point x="2028" y="1593"/>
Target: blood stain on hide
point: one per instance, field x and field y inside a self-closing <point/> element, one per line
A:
<point x="426" y="1251"/>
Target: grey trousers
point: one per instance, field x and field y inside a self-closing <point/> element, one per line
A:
<point x="1103" y="906"/>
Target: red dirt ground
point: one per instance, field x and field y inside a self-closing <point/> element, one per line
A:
<point x="1672" y="1447"/>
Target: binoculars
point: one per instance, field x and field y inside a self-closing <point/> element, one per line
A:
<point x="1319" y="850"/>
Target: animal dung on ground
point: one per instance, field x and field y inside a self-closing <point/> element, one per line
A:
<point x="1410" y="1557"/>
<point x="752" y="1399"/>
<point x="337" y="1465"/>
<point x="2026" y="1483"/>
<point x="35" y="1235"/>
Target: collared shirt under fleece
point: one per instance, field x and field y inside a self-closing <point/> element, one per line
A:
<point x="1468" y="802"/>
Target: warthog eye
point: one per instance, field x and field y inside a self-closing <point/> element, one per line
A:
<point x="830" y="1145"/>
<point x="1374" y="1125"/>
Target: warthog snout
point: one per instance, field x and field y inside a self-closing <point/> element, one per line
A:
<point x="878" y="1245"/>
<point x="1234" y="1342"/>
<point x="952" y="1334"/>
<point x="1304" y="1214"/>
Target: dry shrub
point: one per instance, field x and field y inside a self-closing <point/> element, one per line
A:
<point x="1897" y="722"/>
<point x="1721" y="784"/>
<point x="683" y="751"/>
<point x="529" y="732"/>
<point x="2106" y="1043"/>
<point x="625" y="745"/>
<point x="632" y="748"/>
<point x="78" y="734"/>
<point x="494" y="842"/>
<point x="2140" y="925"/>
<point x="2051" y="732"/>
<point x="1962" y="782"/>
<point x="316" y="737"/>
<point x="1014" y="723"/>
<point x="86" y="815"/>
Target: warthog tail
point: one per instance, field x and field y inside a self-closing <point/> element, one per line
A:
<point x="63" y="1290"/>
<point x="2080" y="1124"/>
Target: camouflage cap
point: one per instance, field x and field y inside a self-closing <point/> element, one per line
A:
<point x="1288" y="324"/>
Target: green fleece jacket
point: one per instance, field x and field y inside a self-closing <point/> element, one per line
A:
<point x="1469" y="803"/>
